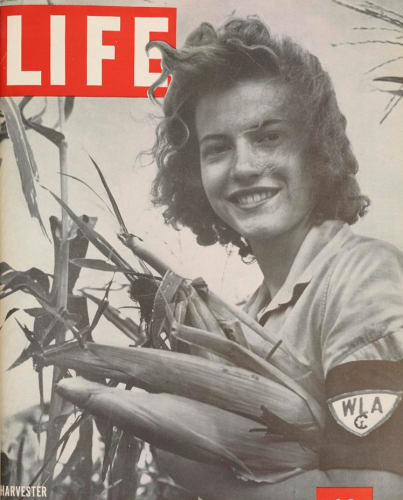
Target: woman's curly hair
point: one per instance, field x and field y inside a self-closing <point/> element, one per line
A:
<point x="218" y="58"/>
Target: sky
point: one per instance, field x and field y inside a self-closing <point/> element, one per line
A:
<point x="116" y="131"/>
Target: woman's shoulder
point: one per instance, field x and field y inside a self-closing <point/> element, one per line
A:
<point x="364" y="243"/>
<point x="363" y="306"/>
<point x="362" y="257"/>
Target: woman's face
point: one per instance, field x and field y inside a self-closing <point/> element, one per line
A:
<point x="253" y="156"/>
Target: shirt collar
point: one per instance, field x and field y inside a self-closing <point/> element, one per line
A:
<point x="319" y="244"/>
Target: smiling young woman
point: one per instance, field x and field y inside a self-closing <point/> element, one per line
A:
<point x="253" y="151"/>
<point x="254" y="168"/>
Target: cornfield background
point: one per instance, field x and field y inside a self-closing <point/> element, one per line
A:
<point x="114" y="132"/>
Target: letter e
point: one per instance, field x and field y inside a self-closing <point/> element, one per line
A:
<point x="143" y="27"/>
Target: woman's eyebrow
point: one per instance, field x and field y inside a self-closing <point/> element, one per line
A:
<point x="251" y="128"/>
<point x="264" y="123"/>
<point x="210" y="137"/>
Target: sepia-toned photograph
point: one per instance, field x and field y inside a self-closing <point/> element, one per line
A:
<point x="202" y="286"/>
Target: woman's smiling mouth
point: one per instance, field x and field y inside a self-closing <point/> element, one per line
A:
<point x="251" y="198"/>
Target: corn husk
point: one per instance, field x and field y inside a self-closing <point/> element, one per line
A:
<point x="193" y="430"/>
<point x="213" y="315"/>
<point x="70" y="356"/>
<point x="199" y="316"/>
<point x="166" y="292"/>
<point x="241" y="357"/>
<point x="230" y="388"/>
<point x="261" y="340"/>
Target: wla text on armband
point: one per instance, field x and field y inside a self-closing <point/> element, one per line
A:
<point x="23" y="491"/>
<point x="80" y="50"/>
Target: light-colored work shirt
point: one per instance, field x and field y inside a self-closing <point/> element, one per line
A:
<point x="342" y="301"/>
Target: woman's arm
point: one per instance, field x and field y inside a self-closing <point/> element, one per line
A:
<point x="219" y="483"/>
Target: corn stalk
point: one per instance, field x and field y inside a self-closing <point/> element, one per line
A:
<point x="54" y="430"/>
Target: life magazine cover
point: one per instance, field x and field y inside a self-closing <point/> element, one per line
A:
<point x="201" y="287"/>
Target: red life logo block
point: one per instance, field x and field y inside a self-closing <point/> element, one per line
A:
<point x="344" y="494"/>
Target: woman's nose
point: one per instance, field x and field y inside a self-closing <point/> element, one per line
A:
<point x="246" y="163"/>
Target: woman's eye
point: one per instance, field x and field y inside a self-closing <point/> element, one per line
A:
<point x="214" y="150"/>
<point x="270" y="138"/>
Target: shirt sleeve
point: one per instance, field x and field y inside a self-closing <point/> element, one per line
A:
<point x="363" y="307"/>
<point x="362" y="341"/>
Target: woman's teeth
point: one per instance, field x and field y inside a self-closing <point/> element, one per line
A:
<point x="255" y="198"/>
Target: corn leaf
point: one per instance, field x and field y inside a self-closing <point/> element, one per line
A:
<point x="9" y="314"/>
<point x="115" y="206"/>
<point x="24" y="356"/>
<point x="97" y="264"/>
<point x="89" y="187"/>
<point x="95" y="238"/>
<point x="33" y="281"/>
<point x="111" y="437"/>
<point x="35" y="312"/>
<point x="68" y="106"/>
<point x="392" y="79"/>
<point x="398" y="93"/>
<point x="49" y="133"/>
<point x="126" y="325"/>
<point x="367" y="10"/>
<point x="61" y="442"/>
<point x="24" y="157"/>
<point x="125" y="469"/>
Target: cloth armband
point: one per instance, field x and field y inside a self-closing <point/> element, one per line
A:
<point x="364" y="417"/>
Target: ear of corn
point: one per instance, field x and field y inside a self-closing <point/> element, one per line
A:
<point x="215" y="302"/>
<point x="230" y="388"/>
<point x="262" y="342"/>
<point x="235" y="353"/>
<point x="233" y="330"/>
<point x="193" y="430"/>
<point x="69" y="356"/>
<point x="169" y="286"/>
<point x="207" y="319"/>
<point x="243" y="358"/>
<point x="204" y="406"/>
<point x="199" y="316"/>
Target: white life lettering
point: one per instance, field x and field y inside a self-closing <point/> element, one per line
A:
<point x="96" y="51"/>
<point x="142" y="28"/>
<point x="15" y="74"/>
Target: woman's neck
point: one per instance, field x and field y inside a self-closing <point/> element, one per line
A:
<point x="276" y="256"/>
